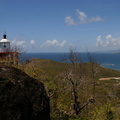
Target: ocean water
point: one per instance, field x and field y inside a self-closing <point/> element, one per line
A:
<point x="107" y="60"/>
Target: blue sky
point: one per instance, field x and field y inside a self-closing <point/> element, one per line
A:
<point x="57" y="25"/>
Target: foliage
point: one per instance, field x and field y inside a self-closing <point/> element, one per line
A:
<point x="75" y="117"/>
<point x="56" y="77"/>
<point x="105" y="112"/>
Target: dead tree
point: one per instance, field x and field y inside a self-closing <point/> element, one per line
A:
<point x="76" y="75"/>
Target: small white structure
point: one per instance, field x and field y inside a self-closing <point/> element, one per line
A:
<point x="7" y="56"/>
<point x="4" y="45"/>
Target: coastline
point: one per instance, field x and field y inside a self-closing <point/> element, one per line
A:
<point x="106" y="60"/>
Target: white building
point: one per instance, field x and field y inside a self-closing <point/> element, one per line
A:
<point x="4" y="44"/>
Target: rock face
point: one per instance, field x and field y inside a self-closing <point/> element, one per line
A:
<point x="22" y="97"/>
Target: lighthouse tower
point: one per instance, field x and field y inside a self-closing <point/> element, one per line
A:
<point x="6" y="55"/>
<point x="4" y="44"/>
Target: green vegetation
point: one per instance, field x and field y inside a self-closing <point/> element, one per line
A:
<point x="75" y="91"/>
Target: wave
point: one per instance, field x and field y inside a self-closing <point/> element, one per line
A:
<point x="107" y="64"/>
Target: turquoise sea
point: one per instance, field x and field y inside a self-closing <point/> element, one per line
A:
<point x="108" y="60"/>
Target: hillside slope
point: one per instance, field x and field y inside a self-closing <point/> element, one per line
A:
<point x="54" y="67"/>
<point x="67" y="88"/>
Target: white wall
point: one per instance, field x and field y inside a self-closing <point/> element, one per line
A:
<point x="4" y="46"/>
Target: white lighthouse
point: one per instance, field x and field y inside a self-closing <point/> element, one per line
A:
<point x="4" y="44"/>
<point x="7" y="56"/>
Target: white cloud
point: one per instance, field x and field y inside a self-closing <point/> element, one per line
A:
<point x="18" y="43"/>
<point x="108" y="42"/>
<point x="32" y="42"/>
<point x="69" y="20"/>
<point x="63" y="43"/>
<point x="53" y="43"/>
<point x="95" y="19"/>
<point x="83" y="18"/>
<point x="108" y="37"/>
<point x="99" y="41"/>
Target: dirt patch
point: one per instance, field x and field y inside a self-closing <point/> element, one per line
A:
<point x="110" y="78"/>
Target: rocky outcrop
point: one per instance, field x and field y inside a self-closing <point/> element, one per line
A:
<point x="22" y="97"/>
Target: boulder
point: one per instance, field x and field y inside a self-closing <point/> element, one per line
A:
<point x="22" y="97"/>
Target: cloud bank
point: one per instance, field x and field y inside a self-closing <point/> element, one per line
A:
<point x="108" y="42"/>
<point x="18" y="43"/>
<point x="32" y="42"/>
<point x="53" y="43"/>
<point x="69" y="20"/>
<point x="82" y="19"/>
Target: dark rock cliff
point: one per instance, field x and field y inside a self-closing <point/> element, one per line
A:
<point x="22" y="97"/>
